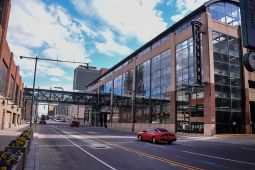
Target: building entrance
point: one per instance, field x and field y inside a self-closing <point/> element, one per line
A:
<point x="252" y="111"/>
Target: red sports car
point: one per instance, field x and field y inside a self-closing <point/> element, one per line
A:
<point x="156" y="135"/>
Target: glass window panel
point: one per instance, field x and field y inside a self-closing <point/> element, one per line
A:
<point x="234" y="81"/>
<point x="225" y="92"/>
<point x="218" y="91"/>
<point x="217" y="68"/>
<point x="236" y="105"/>
<point x="224" y="69"/>
<point x="233" y="47"/>
<point x="225" y="80"/>
<point x="217" y="56"/>
<point x="234" y="60"/>
<point x="234" y="71"/>
<point x="225" y="12"/>
<point x="217" y="79"/>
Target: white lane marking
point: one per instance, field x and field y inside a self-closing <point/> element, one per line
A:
<point x="215" y="157"/>
<point x="99" y="160"/>
<point x="251" y="149"/>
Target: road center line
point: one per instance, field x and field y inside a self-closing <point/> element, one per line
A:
<point x="215" y="157"/>
<point x="99" y="160"/>
<point x="147" y="155"/>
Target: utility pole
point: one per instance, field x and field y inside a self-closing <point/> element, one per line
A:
<point x="35" y="69"/>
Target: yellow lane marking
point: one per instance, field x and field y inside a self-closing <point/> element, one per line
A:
<point x="140" y="153"/>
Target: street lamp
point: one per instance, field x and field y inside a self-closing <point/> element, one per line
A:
<point x="33" y="95"/>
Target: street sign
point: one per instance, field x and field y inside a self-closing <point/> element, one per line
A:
<point x="197" y="51"/>
<point x="247" y="8"/>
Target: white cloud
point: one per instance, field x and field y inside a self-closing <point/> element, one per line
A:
<point x="131" y="18"/>
<point x="50" y="30"/>
<point x="185" y="6"/>
<point x="179" y="16"/>
<point x="55" y="80"/>
<point x="110" y="47"/>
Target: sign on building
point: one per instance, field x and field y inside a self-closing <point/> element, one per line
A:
<point x="197" y="51"/>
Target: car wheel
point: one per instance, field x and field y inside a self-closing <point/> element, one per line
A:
<point x="154" y="140"/>
<point x="170" y="142"/>
<point x="140" y="137"/>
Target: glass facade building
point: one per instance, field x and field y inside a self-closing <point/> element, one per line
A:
<point x="155" y="85"/>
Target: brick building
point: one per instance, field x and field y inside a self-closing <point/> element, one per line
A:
<point x="11" y="86"/>
<point x="154" y="86"/>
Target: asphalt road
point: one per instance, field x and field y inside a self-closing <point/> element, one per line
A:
<point x="66" y="148"/>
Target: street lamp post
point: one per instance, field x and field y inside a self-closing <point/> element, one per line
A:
<point x="33" y="98"/>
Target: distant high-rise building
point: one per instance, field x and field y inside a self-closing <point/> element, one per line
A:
<point x="83" y="75"/>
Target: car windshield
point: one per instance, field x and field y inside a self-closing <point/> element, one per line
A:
<point x="161" y="130"/>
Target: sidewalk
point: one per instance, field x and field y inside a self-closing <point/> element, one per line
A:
<point x="32" y="162"/>
<point x="7" y="135"/>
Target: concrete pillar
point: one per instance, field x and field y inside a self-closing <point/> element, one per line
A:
<point x="3" y="118"/>
<point x="208" y="77"/>
<point x="10" y="121"/>
<point x="173" y="113"/>
<point x="15" y="117"/>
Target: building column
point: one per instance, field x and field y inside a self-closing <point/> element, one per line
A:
<point x="15" y="119"/>
<point x="209" y="110"/>
<point x="173" y="113"/>
<point x="208" y="77"/>
<point x="10" y="121"/>
<point x="111" y="102"/>
<point x="172" y="93"/>
<point x="247" y="111"/>
<point x="3" y="119"/>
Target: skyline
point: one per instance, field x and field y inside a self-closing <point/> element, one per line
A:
<point x="99" y="32"/>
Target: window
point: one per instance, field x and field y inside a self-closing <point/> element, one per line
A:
<point x="186" y="24"/>
<point x="188" y="110"/>
<point x="3" y="76"/>
<point x="2" y="4"/>
<point x="152" y="89"/>
<point x="225" y="12"/>
<point x="227" y="76"/>
<point x="118" y="85"/>
<point x="127" y="82"/>
<point x="11" y="87"/>
<point x="16" y="98"/>
<point x="145" y="51"/>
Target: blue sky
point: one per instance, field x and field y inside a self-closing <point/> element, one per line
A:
<point x="101" y="32"/>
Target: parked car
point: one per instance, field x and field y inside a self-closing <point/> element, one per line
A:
<point x="156" y="135"/>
